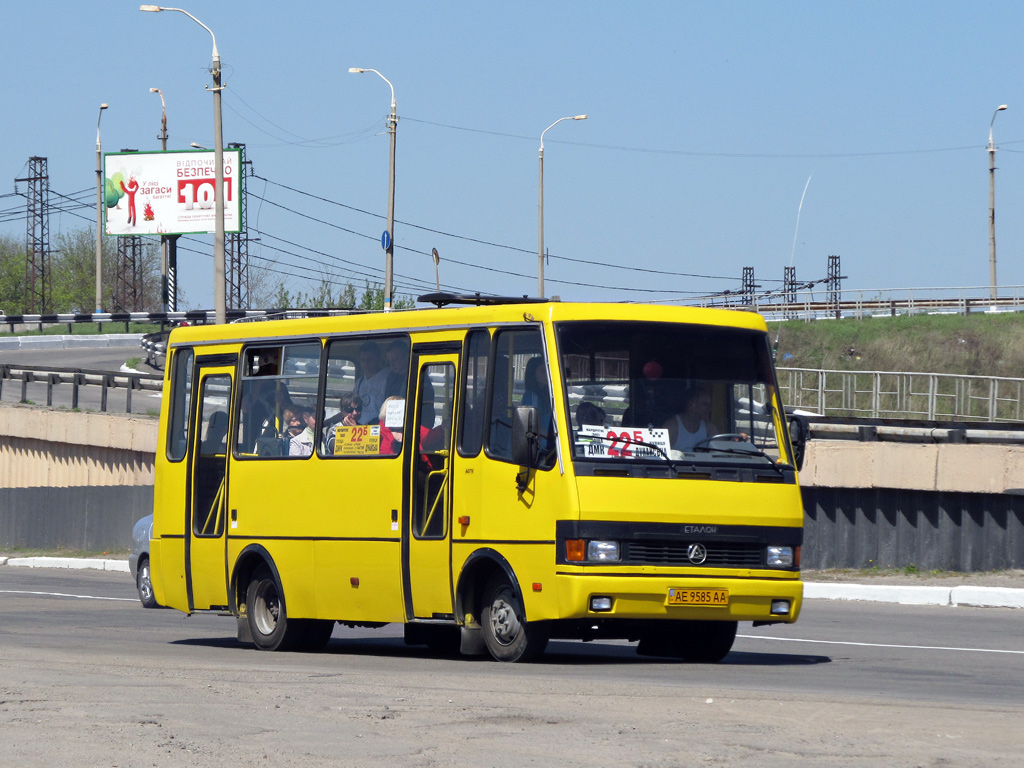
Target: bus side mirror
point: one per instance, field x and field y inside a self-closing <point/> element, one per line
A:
<point x="799" y="431"/>
<point x="524" y="436"/>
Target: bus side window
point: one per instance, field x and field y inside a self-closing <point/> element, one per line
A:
<point x="279" y="388"/>
<point x="519" y="379"/>
<point x="474" y="382"/>
<point x="364" y="397"/>
<point x="181" y="399"/>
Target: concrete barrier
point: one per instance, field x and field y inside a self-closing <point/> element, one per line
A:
<point x="71" y="479"/>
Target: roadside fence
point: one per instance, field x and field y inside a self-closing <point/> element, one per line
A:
<point x="893" y="395"/>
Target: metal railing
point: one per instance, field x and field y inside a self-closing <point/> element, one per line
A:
<point x="71" y="380"/>
<point x="901" y="395"/>
<point x="870" y="302"/>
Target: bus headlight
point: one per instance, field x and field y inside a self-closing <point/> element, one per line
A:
<point x="780" y="557"/>
<point x="603" y="550"/>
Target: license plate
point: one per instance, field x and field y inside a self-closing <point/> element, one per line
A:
<point x="710" y="597"/>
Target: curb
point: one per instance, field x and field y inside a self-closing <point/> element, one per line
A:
<point x="76" y="563"/>
<point x="979" y="597"/>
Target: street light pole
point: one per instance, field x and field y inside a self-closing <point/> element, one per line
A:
<point x="389" y="251"/>
<point x="219" y="284"/>
<point x="540" y="207"/>
<point x="99" y="214"/>
<point x="992" y="203"/>
<point x="164" y="295"/>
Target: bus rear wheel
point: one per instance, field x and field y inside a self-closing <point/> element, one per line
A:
<point x="507" y="634"/>
<point x="267" y="615"/>
<point x="700" y="641"/>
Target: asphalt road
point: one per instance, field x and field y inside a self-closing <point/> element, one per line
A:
<point x="88" y="677"/>
<point x="98" y="359"/>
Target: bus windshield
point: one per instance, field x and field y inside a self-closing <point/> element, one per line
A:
<point x="643" y="391"/>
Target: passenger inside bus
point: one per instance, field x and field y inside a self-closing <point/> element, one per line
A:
<point x="350" y="408"/>
<point x="300" y="442"/>
<point x="392" y="416"/>
<point x="372" y="381"/>
<point x="397" y="357"/>
<point x="693" y="423"/>
<point x="588" y="414"/>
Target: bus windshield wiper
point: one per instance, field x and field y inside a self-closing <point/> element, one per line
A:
<point x="737" y="444"/>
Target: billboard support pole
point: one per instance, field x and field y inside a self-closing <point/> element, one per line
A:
<point x="99" y="214"/>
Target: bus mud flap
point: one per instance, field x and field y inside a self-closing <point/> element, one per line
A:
<point x="244" y="635"/>
<point x="471" y="642"/>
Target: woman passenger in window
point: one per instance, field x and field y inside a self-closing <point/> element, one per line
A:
<point x="350" y="409"/>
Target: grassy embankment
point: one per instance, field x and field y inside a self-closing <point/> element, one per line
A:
<point x="977" y="345"/>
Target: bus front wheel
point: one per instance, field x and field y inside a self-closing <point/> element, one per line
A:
<point x="267" y="616"/>
<point x="507" y="634"/>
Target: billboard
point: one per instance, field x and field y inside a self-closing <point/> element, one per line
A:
<point x="169" y="193"/>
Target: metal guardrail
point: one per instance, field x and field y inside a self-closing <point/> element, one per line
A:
<point x="166" y="318"/>
<point x="78" y="378"/>
<point x="886" y="394"/>
<point x="870" y="302"/>
<point x="906" y="430"/>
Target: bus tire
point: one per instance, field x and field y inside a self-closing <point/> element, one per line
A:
<point x="507" y="634"/>
<point x="268" y="616"/>
<point x="704" y="642"/>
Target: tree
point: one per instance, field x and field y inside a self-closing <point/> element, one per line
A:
<point x="12" y="275"/>
<point x="72" y="277"/>
<point x="328" y="293"/>
<point x="73" y="272"/>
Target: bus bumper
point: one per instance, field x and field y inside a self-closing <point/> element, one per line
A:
<point x="584" y="596"/>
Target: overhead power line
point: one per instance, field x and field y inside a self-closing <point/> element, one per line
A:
<point x="478" y="241"/>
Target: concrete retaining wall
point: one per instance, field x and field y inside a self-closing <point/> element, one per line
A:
<point x="71" y="479"/>
<point x="939" y="506"/>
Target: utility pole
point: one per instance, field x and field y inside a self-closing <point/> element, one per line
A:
<point x="789" y="289"/>
<point x="992" y="204"/>
<point x="834" y="277"/>
<point x="237" y="245"/>
<point x="749" y="287"/>
<point x="37" y="238"/>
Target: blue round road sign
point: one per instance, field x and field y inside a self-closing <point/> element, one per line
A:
<point x="385" y="240"/>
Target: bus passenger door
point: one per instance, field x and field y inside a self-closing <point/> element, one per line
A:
<point x="206" y="526"/>
<point x="427" y="532"/>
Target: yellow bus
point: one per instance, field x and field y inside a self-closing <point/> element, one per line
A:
<point x="584" y="471"/>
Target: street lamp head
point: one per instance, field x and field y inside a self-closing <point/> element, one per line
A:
<point x="152" y="8"/>
<point x="584" y="117"/>
<point x="154" y="90"/>
<point x="356" y="70"/>
<point x="198" y="146"/>
<point x="104" y="105"/>
<point x="1000" y="108"/>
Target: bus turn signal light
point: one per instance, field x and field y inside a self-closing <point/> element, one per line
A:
<point x="575" y="550"/>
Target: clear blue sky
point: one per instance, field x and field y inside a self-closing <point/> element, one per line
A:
<point x="706" y="120"/>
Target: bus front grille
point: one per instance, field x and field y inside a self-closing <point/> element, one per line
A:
<point x="719" y="554"/>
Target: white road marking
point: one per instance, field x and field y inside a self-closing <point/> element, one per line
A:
<point x="879" y="645"/>
<point x="61" y="594"/>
